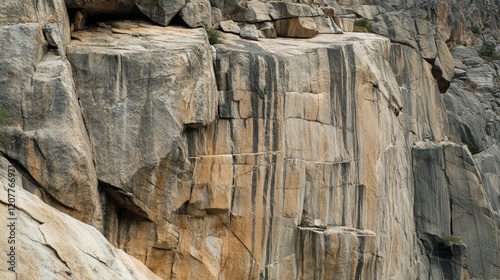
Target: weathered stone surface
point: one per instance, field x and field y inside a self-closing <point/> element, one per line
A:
<point x="230" y="26"/>
<point x="51" y="12"/>
<point x="367" y="11"/>
<point x="313" y="172"/>
<point x="197" y="13"/>
<point x="53" y="145"/>
<point x="105" y="6"/>
<point x="336" y="253"/>
<point x="329" y="11"/>
<point x="303" y="27"/>
<point x="160" y="11"/>
<point x="294" y="161"/>
<point x="346" y="24"/>
<point x="488" y="163"/>
<point x="217" y="16"/>
<point x="129" y="84"/>
<point x="52" y="245"/>
<point x="121" y="104"/>
<point x="283" y="10"/>
<point x="254" y="11"/>
<point x="472" y="101"/>
<point x="419" y="34"/>
<point x="249" y="31"/>
<point x="451" y="201"/>
<point x="228" y="7"/>
<point x="326" y="25"/>
<point x="267" y="30"/>
<point x="45" y="132"/>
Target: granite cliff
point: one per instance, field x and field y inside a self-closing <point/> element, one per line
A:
<point x="143" y="144"/>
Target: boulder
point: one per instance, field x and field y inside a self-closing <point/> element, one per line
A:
<point x="50" y="12"/>
<point x="266" y="30"/>
<point x="249" y="31"/>
<point x="399" y="28"/>
<point x="216" y="16"/>
<point x="329" y="11"/>
<point x="303" y="27"/>
<point x="369" y="12"/>
<point x="346" y="24"/>
<point x="105" y="6"/>
<point x="230" y="27"/>
<point x="283" y="10"/>
<point x="161" y="11"/>
<point x="426" y="39"/>
<point x="197" y="13"/>
<point x="326" y="25"/>
<point x="255" y="11"/>
<point x="488" y="162"/>
<point x="229" y="7"/>
<point x="443" y="68"/>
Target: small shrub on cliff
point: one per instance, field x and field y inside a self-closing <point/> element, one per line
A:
<point x="488" y="50"/>
<point x="213" y="36"/>
<point x="4" y="120"/>
<point x="475" y="29"/>
<point x="362" y="25"/>
<point x="449" y="240"/>
<point x="4" y="116"/>
<point x="473" y="149"/>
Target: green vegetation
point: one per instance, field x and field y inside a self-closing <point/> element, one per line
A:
<point x="475" y="29"/>
<point x="362" y="25"/>
<point x="4" y="116"/>
<point x="4" y="120"/>
<point x="213" y="36"/>
<point x="449" y="240"/>
<point x="488" y="50"/>
<point x="473" y="149"/>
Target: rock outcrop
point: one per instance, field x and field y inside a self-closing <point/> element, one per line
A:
<point x="51" y="245"/>
<point x="349" y="156"/>
<point x="46" y="132"/>
<point x="452" y="208"/>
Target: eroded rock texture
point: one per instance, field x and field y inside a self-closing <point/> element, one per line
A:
<point x="331" y="157"/>
<point x="52" y="245"/>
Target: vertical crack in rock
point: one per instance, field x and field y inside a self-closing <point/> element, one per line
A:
<point x="56" y="253"/>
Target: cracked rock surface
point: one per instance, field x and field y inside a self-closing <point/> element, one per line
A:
<point x="53" y="245"/>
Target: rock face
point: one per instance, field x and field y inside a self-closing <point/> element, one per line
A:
<point x="296" y="27"/>
<point x="332" y="157"/>
<point x="146" y="102"/>
<point x="44" y="115"/>
<point x="197" y="13"/>
<point x="450" y="200"/>
<point x="52" y="245"/>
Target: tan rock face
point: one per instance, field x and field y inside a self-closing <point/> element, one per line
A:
<point x="276" y="159"/>
<point x="282" y="127"/>
<point x="149" y="108"/>
<point x="52" y="245"/>
<point x="296" y="27"/>
<point x="45" y="132"/>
